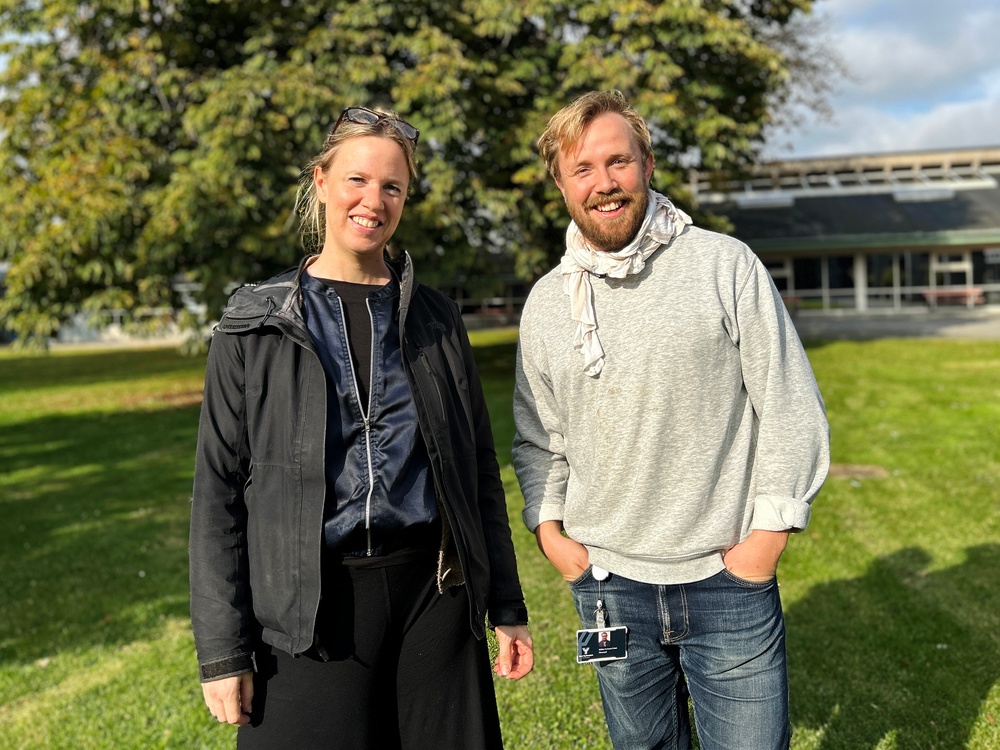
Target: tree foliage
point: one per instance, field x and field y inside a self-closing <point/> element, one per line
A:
<point x="141" y="140"/>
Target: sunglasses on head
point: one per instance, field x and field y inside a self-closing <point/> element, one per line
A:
<point x="365" y="116"/>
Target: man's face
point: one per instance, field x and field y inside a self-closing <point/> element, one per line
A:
<point x="604" y="181"/>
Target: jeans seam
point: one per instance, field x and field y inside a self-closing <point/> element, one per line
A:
<point x="664" y="611"/>
<point x="684" y="611"/>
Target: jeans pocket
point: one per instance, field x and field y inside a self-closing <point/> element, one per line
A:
<point x="748" y="584"/>
<point x="582" y="578"/>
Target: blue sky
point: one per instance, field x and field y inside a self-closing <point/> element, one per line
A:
<point x="922" y="74"/>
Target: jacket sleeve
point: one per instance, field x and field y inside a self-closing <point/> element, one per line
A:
<point x="506" y="600"/>
<point x="539" y="452"/>
<point x="793" y="437"/>
<point x="221" y="610"/>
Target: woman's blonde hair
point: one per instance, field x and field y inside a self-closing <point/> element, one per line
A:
<point x="312" y="218"/>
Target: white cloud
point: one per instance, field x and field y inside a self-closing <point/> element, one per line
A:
<point x="912" y="63"/>
<point x="958" y="125"/>
<point x="923" y="75"/>
<point x="895" y="66"/>
<point x="865" y="129"/>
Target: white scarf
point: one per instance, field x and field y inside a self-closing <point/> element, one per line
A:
<point x="663" y="221"/>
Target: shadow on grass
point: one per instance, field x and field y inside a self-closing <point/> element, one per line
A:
<point x="104" y="367"/>
<point x="900" y="654"/>
<point x="495" y="360"/>
<point x="96" y="508"/>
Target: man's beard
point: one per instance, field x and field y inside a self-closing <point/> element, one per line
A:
<point x="610" y="236"/>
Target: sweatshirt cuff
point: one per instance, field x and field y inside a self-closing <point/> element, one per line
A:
<point x="778" y="513"/>
<point x="533" y="515"/>
<point x="229" y="666"/>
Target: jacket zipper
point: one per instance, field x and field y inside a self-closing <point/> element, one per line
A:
<point x="366" y="417"/>
<point x="459" y="539"/>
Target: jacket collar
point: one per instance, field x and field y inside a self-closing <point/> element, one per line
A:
<point x="401" y="266"/>
<point x="279" y="299"/>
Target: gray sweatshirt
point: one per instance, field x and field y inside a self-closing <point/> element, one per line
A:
<point x="705" y="424"/>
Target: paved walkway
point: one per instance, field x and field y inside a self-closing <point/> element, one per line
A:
<point x="983" y="323"/>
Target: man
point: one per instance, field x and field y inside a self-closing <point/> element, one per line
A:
<point x="670" y="435"/>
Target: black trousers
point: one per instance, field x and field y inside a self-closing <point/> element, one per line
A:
<point x="398" y="667"/>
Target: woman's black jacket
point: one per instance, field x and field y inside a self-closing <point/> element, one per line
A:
<point x="260" y="482"/>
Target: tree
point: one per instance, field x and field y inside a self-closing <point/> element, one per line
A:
<point x="147" y="140"/>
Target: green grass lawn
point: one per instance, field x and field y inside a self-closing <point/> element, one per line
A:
<point x="891" y="595"/>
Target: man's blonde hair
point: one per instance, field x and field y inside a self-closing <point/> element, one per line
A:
<point x="566" y="127"/>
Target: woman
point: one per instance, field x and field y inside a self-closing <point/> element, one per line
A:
<point x="349" y="534"/>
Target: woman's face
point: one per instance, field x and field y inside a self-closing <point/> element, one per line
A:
<point x="363" y="191"/>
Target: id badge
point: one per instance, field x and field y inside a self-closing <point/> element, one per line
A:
<point x="601" y="644"/>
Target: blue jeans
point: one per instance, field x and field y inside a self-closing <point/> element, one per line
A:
<point x="721" y="640"/>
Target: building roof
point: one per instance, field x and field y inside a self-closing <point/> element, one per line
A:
<point x="924" y="199"/>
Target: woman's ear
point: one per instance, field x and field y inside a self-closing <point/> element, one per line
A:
<point x="319" y="178"/>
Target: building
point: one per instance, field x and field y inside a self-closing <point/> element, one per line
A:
<point x="891" y="233"/>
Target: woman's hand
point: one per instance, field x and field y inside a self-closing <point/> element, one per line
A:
<point x="515" y="655"/>
<point x="569" y="557"/>
<point x="229" y="699"/>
